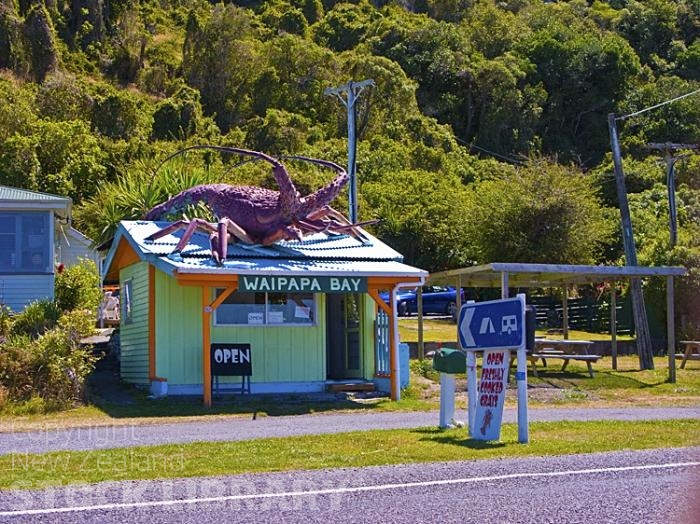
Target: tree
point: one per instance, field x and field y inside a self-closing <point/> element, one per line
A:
<point x="281" y="16"/>
<point x="63" y="96"/>
<point x="541" y="213"/>
<point x="649" y="210"/>
<point x="584" y="70"/>
<point x="677" y="122"/>
<point x="116" y="115"/>
<point x="385" y="107"/>
<point x="17" y="107"/>
<point x="40" y="35"/>
<point x="222" y="59"/>
<point x="72" y="162"/>
<point x="649" y="27"/>
<point x="421" y="217"/>
<point x="344" y="26"/>
<point x="280" y="132"/>
<point x="178" y="117"/>
<point x="294" y="75"/>
<point x="13" y="53"/>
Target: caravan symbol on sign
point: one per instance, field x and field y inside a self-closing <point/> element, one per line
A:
<point x="509" y="323"/>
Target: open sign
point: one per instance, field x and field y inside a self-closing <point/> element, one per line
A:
<point x="231" y="360"/>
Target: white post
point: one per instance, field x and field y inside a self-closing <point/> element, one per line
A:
<point x="471" y="391"/>
<point x="521" y="379"/>
<point x="447" y="400"/>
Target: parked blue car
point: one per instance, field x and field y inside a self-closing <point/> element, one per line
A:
<point x="437" y="300"/>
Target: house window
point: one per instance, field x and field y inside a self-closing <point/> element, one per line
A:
<point x="127" y="293"/>
<point x="25" y="243"/>
<point x="270" y="309"/>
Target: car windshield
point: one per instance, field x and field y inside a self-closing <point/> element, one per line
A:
<point x="434" y="289"/>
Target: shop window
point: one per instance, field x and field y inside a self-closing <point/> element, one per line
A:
<point x="25" y="243"/>
<point x="270" y="309"/>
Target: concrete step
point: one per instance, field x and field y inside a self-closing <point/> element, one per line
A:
<point x="338" y="387"/>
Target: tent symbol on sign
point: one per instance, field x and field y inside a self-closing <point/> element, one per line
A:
<point x="509" y="323"/>
<point x="486" y="326"/>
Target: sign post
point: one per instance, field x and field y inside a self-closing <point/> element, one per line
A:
<point x="495" y="327"/>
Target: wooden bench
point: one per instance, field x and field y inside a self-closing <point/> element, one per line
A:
<point x="588" y="359"/>
<point x="692" y="351"/>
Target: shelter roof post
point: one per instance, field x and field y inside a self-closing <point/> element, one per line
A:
<point x="504" y="284"/>
<point x="565" y="312"/>
<point x="671" y="330"/>
<point x="613" y="323"/>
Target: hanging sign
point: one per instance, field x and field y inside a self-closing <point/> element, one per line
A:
<point x="293" y="284"/>
<point x="491" y="395"/>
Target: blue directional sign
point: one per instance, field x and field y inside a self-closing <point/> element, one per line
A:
<point x="494" y="324"/>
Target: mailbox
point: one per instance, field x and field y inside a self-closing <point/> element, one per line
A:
<point x="448" y="360"/>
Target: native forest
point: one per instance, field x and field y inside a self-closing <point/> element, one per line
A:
<point x="483" y="136"/>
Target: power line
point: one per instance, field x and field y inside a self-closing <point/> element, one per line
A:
<point x="624" y="117"/>
<point x="492" y="153"/>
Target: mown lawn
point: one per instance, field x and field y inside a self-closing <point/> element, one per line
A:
<point x="348" y="450"/>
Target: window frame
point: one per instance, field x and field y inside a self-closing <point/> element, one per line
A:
<point x="27" y="238"/>
<point x="266" y="303"/>
<point x="126" y="303"/>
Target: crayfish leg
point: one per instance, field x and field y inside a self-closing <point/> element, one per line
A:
<point x="236" y="230"/>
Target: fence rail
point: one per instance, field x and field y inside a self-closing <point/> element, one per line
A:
<point x="584" y="314"/>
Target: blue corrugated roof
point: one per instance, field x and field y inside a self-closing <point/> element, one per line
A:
<point x="15" y="198"/>
<point x="320" y="253"/>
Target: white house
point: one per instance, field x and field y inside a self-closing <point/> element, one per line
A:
<point x="35" y="236"/>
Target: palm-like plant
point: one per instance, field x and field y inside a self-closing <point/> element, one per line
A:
<point x="139" y="189"/>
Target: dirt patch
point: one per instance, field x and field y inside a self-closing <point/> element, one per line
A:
<point x="426" y="389"/>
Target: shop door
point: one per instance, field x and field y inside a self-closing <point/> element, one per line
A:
<point x="344" y="341"/>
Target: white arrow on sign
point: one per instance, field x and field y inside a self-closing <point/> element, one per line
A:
<point x="464" y="328"/>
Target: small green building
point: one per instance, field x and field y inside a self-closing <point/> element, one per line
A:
<point x="295" y="316"/>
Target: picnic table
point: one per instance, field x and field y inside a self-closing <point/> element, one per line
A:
<point x="691" y="352"/>
<point x="563" y="349"/>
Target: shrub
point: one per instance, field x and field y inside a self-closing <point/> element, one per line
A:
<point x="48" y="372"/>
<point x="37" y="318"/>
<point x="43" y="365"/>
<point x="5" y="321"/>
<point x="16" y="367"/>
<point x="78" y="287"/>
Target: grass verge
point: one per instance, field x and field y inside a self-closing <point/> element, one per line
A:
<point x="356" y="449"/>
<point x="624" y="387"/>
<point x="445" y="330"/>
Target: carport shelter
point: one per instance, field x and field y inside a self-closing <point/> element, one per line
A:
<point x="521" y="275"/>
<point x="302" y="313"/>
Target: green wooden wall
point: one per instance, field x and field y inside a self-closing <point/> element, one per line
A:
<point x="178" y="326"/>
<point x="280" y="354"/>
<point x="133" y="335"/>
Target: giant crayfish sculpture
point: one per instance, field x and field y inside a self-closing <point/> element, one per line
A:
<point x="256" y="215"/>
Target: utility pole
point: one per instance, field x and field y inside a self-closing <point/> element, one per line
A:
<point x="644" y="349"/>
<point x="352" y="90"/>
<point x="668" y="149"/>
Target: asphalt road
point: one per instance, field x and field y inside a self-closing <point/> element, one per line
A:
<point x="652" y="487"/>
<point x="54" y="438"/>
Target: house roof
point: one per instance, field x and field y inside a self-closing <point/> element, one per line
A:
<point x="314" y="255"/>
<point x="12" y="198"/>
